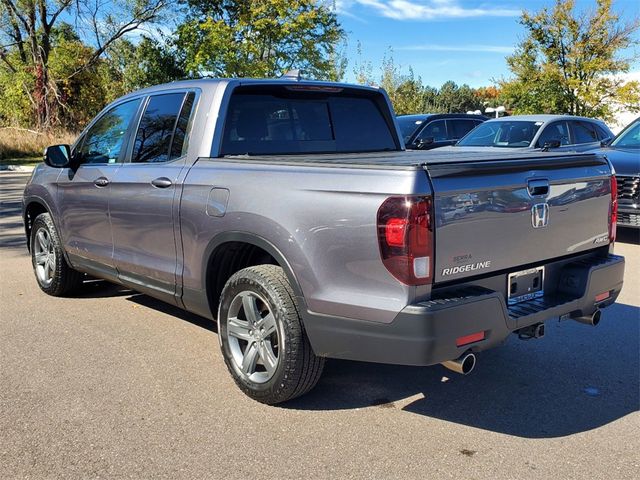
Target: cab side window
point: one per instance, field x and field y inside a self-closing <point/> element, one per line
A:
<point x="103" y="141"/>
<point x="156" y="130"/>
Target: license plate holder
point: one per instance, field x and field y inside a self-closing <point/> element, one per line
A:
<point x="525" y="285"/>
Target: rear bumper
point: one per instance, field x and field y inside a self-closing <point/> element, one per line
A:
<point x="426" y="333"/>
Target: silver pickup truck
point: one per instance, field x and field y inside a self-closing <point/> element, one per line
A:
<point x="288" y="211"/>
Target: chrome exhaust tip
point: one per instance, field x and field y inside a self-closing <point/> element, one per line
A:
<point x="592" y="320"/>
<point x="463" y="365"/>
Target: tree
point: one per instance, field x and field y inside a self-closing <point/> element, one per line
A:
<point x="260" y="38"/>
<point x="571" y="61"/>
<point x="410" y="95"/>
<point x="362" y="69"/>
<point x="146" y="63"/>
<point x="27" y="35"/>
<point x="457" y="99"/>
<point x="406" y="92"/>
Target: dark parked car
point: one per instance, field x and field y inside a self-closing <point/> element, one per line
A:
<point x="537" y="132"/>
<point x="624" y="154"/>
<point x="427" y="131"/>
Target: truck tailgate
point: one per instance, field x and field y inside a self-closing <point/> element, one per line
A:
<point x="496" y="215"/>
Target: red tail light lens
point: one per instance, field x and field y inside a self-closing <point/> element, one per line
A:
<point x="405" y="235"/>
<point x="613" y="209"/>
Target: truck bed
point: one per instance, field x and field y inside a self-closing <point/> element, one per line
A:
<point x="484" y="203"/>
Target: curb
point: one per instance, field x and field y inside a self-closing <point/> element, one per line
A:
<point x="17" y="168"/>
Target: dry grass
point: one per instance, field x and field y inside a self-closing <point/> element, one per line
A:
<point x="20" y="143"/>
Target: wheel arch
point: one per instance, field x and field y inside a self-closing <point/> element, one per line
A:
<point x="254" y="250"/>
<point x="33" y="207"/>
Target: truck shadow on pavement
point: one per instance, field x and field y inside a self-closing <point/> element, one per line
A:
<point x="104" y="289"/>
<point x="576" y="379"/>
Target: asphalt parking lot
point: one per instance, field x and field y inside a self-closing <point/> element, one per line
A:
<point x="113" y="384"/>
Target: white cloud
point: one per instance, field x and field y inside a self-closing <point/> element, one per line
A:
<point x="425" y="9"/>
<point x="457" y="48"/>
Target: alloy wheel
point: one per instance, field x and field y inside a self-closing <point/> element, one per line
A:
<point x="44" y="255"/>
<point x="253" y="336"/>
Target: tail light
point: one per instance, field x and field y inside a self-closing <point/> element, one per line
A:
<point x="613" y="209"/>
<point x="405" y="235"/>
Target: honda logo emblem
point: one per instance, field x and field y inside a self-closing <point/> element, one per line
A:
<point x="540" y="215"/>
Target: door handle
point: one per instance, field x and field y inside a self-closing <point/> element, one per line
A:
<point x="101" y="182"/>
<point x="162" y="182"/>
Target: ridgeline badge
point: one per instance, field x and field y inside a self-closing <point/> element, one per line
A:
<point x="466" y="268"/>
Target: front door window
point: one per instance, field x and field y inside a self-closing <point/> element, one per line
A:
<point x="103" y="141"/>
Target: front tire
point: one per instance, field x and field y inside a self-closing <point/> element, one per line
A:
<point x="263" y="341"/>
<point x="54" y="275"/>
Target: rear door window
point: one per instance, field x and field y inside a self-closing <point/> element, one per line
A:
<point x="602" y="133"/>
<point x="156" y="128"/>
<point x="179" y="142"/>
<point x="583" y="132"/>
<point x="296" y="122"/>
<point x="459" y="127"/>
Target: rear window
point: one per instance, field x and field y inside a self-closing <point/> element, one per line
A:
<point x="290" y="122"/>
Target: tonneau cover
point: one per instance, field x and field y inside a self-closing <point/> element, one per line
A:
<point x="417" y="158"/>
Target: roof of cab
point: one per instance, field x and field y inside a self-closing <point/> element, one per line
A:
<point x="541" y="118"/>
<point x="425" y="116"/>
<point x="208" y="83"/>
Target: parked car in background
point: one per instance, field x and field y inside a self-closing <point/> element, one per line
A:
<point x="427" y="131"/>
<point x="538" y="132"/>
<point x="624" y="154"/>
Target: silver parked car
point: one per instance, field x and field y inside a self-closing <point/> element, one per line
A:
<point x="537" y="132"/>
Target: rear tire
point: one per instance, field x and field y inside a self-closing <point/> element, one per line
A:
<point x="54" y="275"/>
<point x="263" y="341"/>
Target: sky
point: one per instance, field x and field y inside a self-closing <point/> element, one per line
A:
<point x="461" y="40"/>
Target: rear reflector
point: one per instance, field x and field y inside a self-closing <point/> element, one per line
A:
<point x="602" y="296"/>
<point x="467" y="339"/>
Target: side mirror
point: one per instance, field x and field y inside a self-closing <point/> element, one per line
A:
<point x="605" y="142"/>
<point x="550" y="144"/>
<point x="423" y="142"/>
<point x="57" y="156"/>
